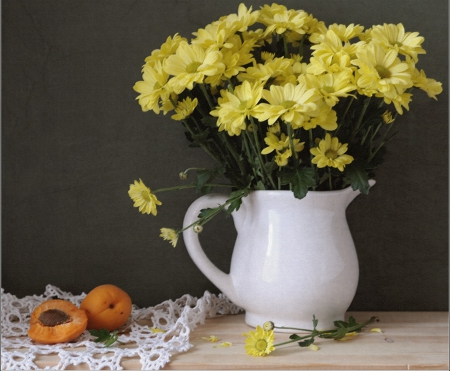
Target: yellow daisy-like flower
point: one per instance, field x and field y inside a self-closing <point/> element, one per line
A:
<point x="259" y="342"/>
<point x="185" y="108"/>
<point x="170" y="234"/>
<point x="292" y="103"/>
<point x="167" y="49"/>
<point x="331" y="86"/>
<point x="152" y="88"/>
<point x="326" y="119"/>
<point x="234" y="108"/>
<point x="274" y="143"/>
<point x="387" y="117"/>
<point x="143" y="198"/>
<point x="190" y="64"/>
<point x="278" y="19"/>
<point x="331" y="153"/>
<point x="394" y="36"/>
<point x="242" y="20"/>
<point x="344" y="32"/>
<point x="380" y="70"/>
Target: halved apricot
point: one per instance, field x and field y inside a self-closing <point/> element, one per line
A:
<point x="106" y="306"/>
<point x="56" y="321"/>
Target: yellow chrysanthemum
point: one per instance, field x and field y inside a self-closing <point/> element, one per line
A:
<point x="400" y="101"/>
<point x="421" y="81"/>
<point x="169" y="234"/>
<point x="234" y="108"/>
<point x="153" y="87"/>
<point x="190" y="64"/>
<point x="143" y="198"/>
<point x="331" y="86"/>
<point x="387" y="117"/>
<point x="184" y="108"/>
<point x="259" y="342"/>
<point x="326" y="119"/>
<point x="279" y="20"/>
<point x="242" y="20"/>
<point x="344" y="32"/>
<point x="292" y="103"/>
<point x="281" y="146"/>
<point x="381" y="71"/>
<point x="275" y="143"/>
<point x="168" y="48"/>
<point x="394" y="36"/>
<point x="273" y="68"/>
<point x="331" y="153"/>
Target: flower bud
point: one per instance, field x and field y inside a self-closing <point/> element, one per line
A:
<point x="198" y="228"/>
<point x="269" y="325"/>
<point x="183" y="175"/>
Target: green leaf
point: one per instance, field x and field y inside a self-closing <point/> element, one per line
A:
<point x="207" y="176"/>
<point x="204" y="213"/>
<point x="300" y="180"/>
<point x="358" y="177"/>
<point x="236" y="198"/>
<point x="306" y="342"/>
<point x="104" y="336"/>
<point x="340" y="333"/>
<point x="315" y="322"/>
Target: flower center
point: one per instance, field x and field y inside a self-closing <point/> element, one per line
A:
<point x="261" y="344"/>
<point x="243" y="106"/>
<point x="192" y="67"/>
<point x="146" y="195"/>
<point x="287" y="104"/>
<point x="383" y="72"/>
<point x="328" y="89"/>
<point x="331" y="154"/>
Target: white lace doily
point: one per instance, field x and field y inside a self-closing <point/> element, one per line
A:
<point x="154" y="349"/>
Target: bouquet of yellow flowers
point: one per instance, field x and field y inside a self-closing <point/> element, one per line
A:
<point x="282" y="102"/>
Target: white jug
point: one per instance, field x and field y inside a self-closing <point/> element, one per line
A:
<point x="292" y="258"/>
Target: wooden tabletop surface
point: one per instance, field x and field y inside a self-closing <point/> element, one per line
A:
<point x="408" y="341"/>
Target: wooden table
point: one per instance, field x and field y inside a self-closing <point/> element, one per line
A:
<point x="409" y="341"/>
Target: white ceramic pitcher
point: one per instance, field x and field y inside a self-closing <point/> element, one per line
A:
<point x="292" y="258"/>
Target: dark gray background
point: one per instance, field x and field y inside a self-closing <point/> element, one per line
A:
<point x="74" y="138"/>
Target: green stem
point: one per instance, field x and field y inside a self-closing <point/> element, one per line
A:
<point x="361" y="116"/>
<point x="285" y="44"/>
<point x="187" y="186"/>
<point x="205" y="93"/>
<point x="291" y="140"/>
<point x="330" y="182"/>
<point x="258" y="154"/>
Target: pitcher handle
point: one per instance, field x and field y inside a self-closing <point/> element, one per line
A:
<point x="220" y="279"/>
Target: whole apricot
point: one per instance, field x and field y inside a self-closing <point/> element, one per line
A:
<point x="56" y="321"/>
<point x="106" y="306"/>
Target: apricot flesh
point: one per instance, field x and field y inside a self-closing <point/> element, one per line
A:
<point x="56" y="321"/>
<point x="106" y="306"/>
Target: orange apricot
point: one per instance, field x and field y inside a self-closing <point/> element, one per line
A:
<point x="106" y="306"/>
<point x="56" y="321"/>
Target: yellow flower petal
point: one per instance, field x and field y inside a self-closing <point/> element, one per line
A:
<point x="156" y="330"/>
<point x="225" y="344"/>
<point x="313" y="347"/>
<point x="375" y="329"/>
<point x="212" y="338"/>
